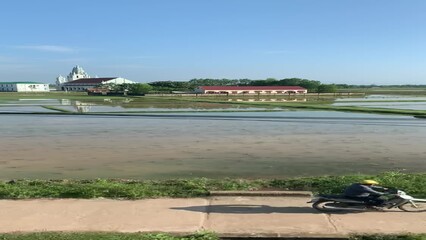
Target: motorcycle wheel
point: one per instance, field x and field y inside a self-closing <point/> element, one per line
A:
<point x="408" y="207"/>
<point x="322" y="206"/>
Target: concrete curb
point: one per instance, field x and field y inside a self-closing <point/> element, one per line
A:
<point x="262" y="193"/>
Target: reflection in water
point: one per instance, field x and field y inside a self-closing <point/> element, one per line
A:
<point x="82" y="107"/>
<point x="65" y="102"/>
<point x="141" y="105"/>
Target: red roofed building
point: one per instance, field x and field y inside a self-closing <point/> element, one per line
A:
<point x="251" y="90"/>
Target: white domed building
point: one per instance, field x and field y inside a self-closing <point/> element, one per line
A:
<point x="78" y="80"/>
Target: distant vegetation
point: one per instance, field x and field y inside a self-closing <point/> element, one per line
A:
<point x="131" y="89"/>
<point x="311" y="85"/>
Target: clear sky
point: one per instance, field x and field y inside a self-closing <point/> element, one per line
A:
<point x="333" y="41"/>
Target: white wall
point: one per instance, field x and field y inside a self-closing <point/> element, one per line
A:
<point x="119" y="81"/>
<point x="28" y="87"/>
<point x="24" y="87"/>
<point x="84" y="86"/>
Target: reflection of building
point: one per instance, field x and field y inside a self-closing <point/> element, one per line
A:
<point x="65" y="102"/>
<point x="251" y="90"/>
<point x="23" y="87"/>
<point x="79" y="80"/>
<point x="82" y="107"/>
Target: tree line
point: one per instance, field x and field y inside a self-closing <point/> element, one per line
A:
<point x="310" y="85"/>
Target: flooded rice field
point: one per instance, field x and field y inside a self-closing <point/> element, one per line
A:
<point x="393" y="105"/>
<point x="184" y="145"/>
<point x="383" y="98"/>
<point x="384" y="101"/>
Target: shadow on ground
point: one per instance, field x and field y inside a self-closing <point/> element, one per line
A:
<point x="251" y="209"/>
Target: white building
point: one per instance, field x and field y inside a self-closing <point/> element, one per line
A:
<point x="79" y="80"/>
<point x="23" y="87"/>
<point x="84" y="83"/>
<point x="76" y="73"/>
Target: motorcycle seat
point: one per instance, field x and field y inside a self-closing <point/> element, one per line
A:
<point x="331" y="196"/>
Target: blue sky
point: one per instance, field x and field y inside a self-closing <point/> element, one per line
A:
<point x="333" y="41"/>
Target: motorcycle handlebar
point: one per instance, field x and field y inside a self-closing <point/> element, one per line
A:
<point x="391" y="190"/>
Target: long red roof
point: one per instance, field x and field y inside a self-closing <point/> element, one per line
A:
<point x="251" y="88"/>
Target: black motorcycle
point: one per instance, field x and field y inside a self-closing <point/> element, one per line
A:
<point x="396" y="199"/>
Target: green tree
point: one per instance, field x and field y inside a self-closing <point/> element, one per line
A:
<point x="138" y="88"/>
<point x="327" y="88"/>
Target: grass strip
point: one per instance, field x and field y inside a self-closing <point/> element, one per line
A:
<point x="57" y="109"/>
<point x="414" y="184"/>
<point x="163" y="236"/>
<point x="195" y="111"/>
<point x="105" y="236"/>
<point x="389" y="237"/>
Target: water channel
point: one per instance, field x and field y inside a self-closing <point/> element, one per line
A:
<point x="184" y="145"/>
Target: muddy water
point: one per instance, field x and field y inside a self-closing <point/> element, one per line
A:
<point x="251" y="145"/>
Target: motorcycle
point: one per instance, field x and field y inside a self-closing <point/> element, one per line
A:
<point x="399" y="199"/>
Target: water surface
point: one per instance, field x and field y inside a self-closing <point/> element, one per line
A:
<point x="249" y="145"/>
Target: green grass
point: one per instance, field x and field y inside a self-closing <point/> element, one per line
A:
<point x="414" y="184"/>
<point x="162" y="236"/>
<point x="390" y="237"/>
<point x="194" y="111"/>
<point x="56" y="109"/>
<point x="104" y="236"/>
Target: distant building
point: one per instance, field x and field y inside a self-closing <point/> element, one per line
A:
<point x="76" y="73"/>
<point x="23" y="87"/>
<point x="85" y="83"/>
<point x="251" y="90"/>
<point x="79" y="80"/>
